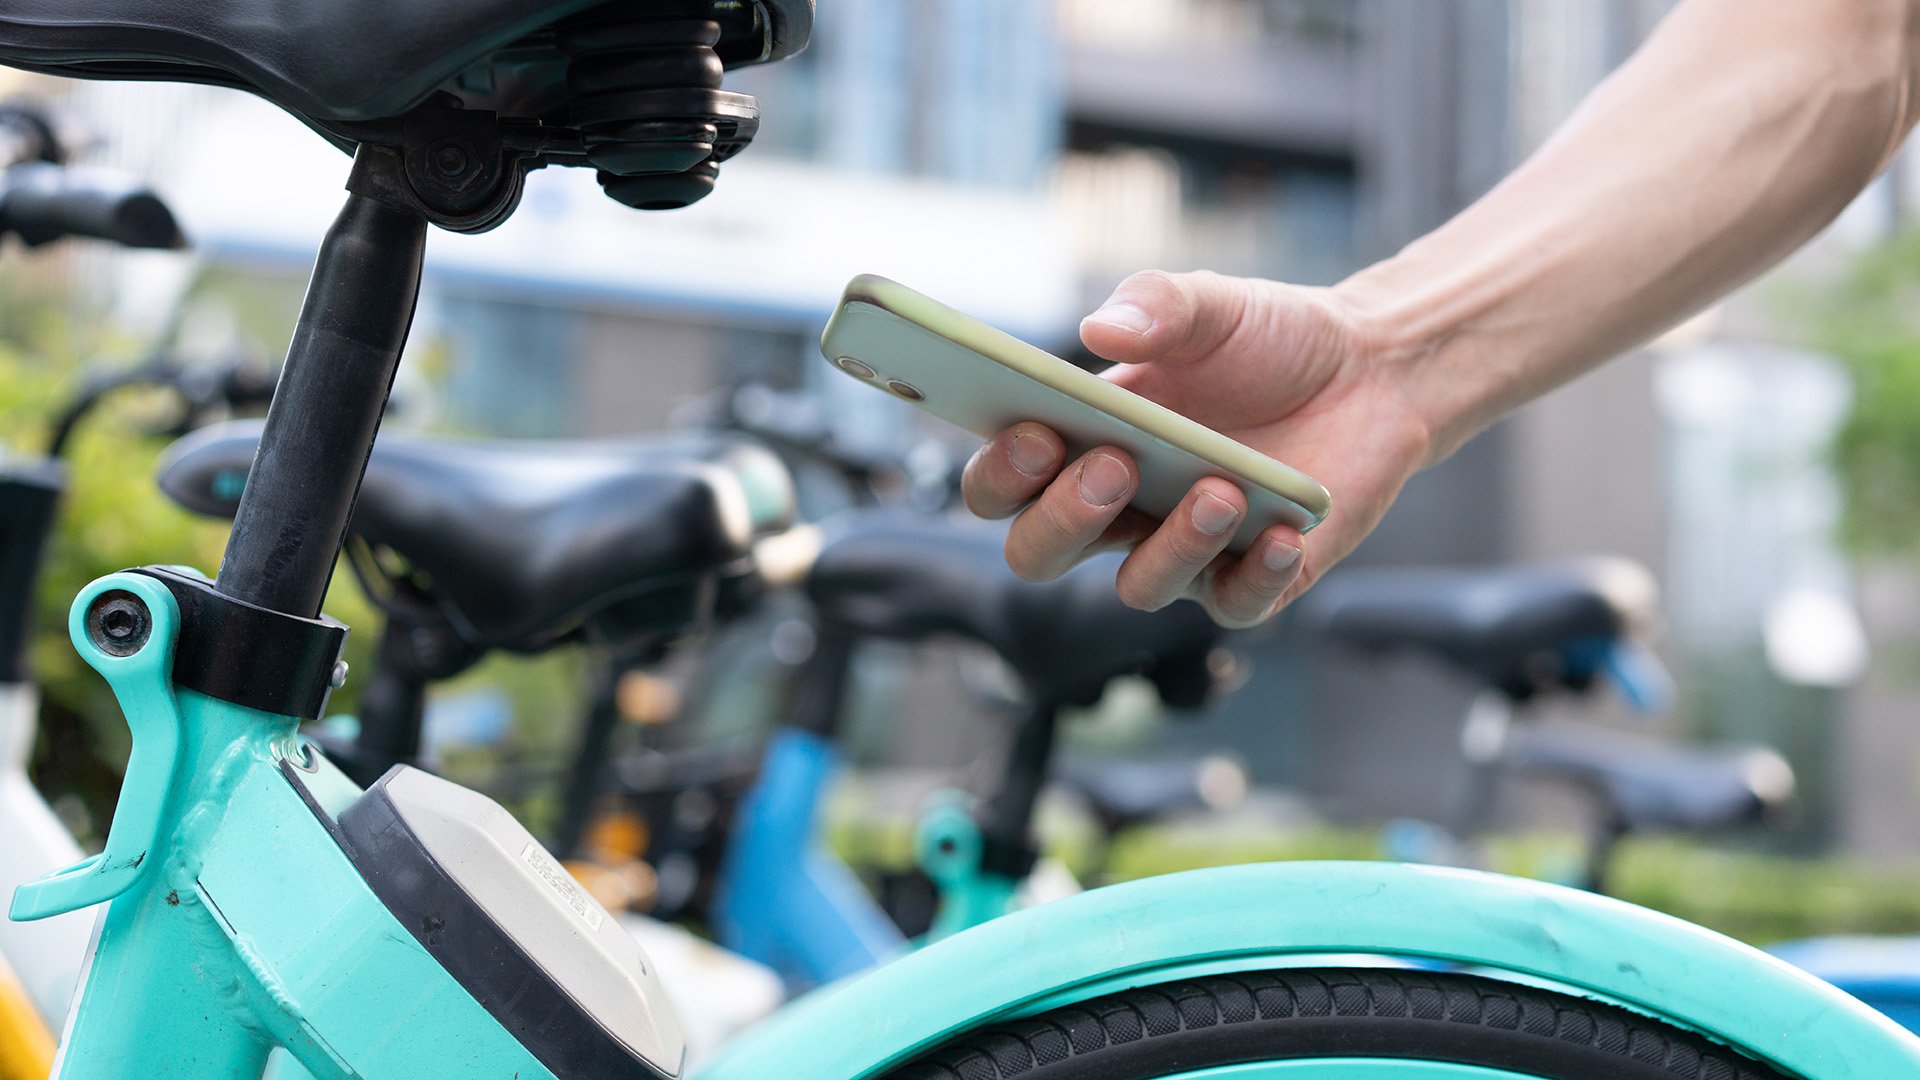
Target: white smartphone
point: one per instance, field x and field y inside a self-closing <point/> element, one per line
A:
<point x="970" y="374"/>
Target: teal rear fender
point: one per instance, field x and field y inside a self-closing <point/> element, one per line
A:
<point x="1296" y="914"/>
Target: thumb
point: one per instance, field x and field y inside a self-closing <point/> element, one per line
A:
<point x="1155" y="315"/>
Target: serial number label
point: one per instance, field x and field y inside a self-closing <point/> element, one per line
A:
<point x="563" y="885"/>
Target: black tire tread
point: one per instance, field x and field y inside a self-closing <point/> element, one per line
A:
<point x="1273" y="1015"/>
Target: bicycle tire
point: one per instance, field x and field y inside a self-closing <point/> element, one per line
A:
<point x="1179" y="1028"/>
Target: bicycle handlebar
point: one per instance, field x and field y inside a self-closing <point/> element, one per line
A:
<point x="43" y="199"/>
<point x="237" y="384"/>
<point x="42" y="202"/>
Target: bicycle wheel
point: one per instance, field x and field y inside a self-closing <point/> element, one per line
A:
<point x="1358" y="1024"/>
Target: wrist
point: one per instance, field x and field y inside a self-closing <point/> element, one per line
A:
<point x="1408" y="351"/>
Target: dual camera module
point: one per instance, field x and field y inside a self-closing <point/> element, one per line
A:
<point x="866" y="374"/>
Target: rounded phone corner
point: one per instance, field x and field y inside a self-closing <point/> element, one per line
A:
<point x="869" y="289"/>
<point x="1321" y="505"/>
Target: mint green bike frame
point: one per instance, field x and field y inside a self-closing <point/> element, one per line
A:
<point x="1291" y="915"/>
<point x="1349" y="1069"/>
<point x="235" y="924"/>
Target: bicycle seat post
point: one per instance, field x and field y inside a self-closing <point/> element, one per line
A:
<point x="1006" y="818"/>
<point x="326" y="409"/>
<point x="256" y="897"/>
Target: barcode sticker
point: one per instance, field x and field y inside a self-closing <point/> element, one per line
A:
<point x="563" y="885"/>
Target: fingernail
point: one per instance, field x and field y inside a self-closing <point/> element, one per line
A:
<point x="1123" y="316"/>
<point x="1031" y="454"/>
<point x="1103" y="479"/>
<point x="1213" y="515"/>
<point x="1279" y="557"/>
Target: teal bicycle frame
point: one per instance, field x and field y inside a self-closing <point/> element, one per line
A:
<point x="1296" y="915"/>
<point x="235" y="924"/>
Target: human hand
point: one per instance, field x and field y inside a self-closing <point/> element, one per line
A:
<point x="1296" y="373"/>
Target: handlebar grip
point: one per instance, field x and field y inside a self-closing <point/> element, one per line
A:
<point x="42" y="203"/>
<point x="246" y="385"/>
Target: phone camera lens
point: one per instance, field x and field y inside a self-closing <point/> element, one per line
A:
<point x="906" y="390"/>
<point x="854" y="368"/>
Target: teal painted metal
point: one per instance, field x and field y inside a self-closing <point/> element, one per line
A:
<point x="143" y="682"/>
<point x="1202" y="967"/>
<point x="948" y="846"/>
<point x="242" y="926"/>
<point x="335" y="978"/>
<point x="1294" y="914"/>
<point x="1349" y="1069"/>
<point x="154" y="1000"/>
<point x="246" y="926"/>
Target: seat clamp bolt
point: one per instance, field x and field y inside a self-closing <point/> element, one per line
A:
<point x="118" y="623"/>
<point x="338" y="677"/>
<point x="450" y="158"/>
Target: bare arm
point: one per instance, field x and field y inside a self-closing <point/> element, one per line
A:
<point x="1738" y="131"/>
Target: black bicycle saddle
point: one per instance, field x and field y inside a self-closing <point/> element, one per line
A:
<point x="630" y="86"/>
<point x="349" y="60"/>
<point x="905" y="576"/>
<point x="522" y="543"/>
<point x="1510" y="627"/>
<point x="1649" y="785"/>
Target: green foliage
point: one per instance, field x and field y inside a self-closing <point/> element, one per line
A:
<point x="1150" y="851"/>
<point x="1756" y="898"/>
<point x="1870" y="320"/>
<point x="1753" y="897"/>
<point x="33" y="317"/>
<point x="1766" y="898"/>
<point x="112" y="517"/>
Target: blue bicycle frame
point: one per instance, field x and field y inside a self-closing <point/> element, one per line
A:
<point x="1883" y="972"/>
<point x="786" y="901"/>
<point x="783" y="898"/>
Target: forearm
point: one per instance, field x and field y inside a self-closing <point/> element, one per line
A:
<point x="1738" y="131"/>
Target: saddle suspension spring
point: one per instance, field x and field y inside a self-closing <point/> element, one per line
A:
<point x="646" y="98"/>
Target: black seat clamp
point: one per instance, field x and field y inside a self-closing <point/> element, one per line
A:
<point x="248" y="655"/>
